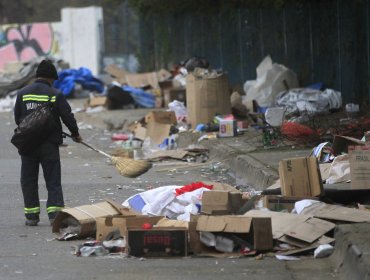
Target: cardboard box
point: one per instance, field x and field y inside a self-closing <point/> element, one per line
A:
<point x="359" y="162"/>
<point x="106" y="225"/>
<point x="341" y="143"/>
<point x="171" y="94"/>
<point x="85" y="217"/>
<point x="157" y="242"/>
<point x="228" y="128"/>
<point x="281" y="203"/>
<point x="206" y="97"/>
<point x="256" y="231"/>
<point x="221" y="202"/>
<point x="97" y="101"/>
<point x="162" y="117"/>
<point x="300" y="177"/>
<point x="159" y="125"/>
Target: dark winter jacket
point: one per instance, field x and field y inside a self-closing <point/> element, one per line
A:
<point x="31" y="96"/>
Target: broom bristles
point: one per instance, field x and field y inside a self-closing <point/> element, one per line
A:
<point x="130" y="167"/>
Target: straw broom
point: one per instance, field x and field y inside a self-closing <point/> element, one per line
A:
<point x="126" y="166"/>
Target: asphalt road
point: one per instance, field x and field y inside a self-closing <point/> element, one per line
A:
<point x="31" y="252"/>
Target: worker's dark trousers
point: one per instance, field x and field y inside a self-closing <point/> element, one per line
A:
<point x="48" y="156"/>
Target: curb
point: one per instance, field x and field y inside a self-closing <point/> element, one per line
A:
<point x="352" y="251"/>
<point x="246" y="169"/>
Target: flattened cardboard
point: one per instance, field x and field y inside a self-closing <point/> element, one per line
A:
<point x="359" y="160"/>
<point x="140" y="80"/>
<point x="339" y="213"/>
<point x="86" y="216"/>
<point x="281" y="222"/>
<point x="206" y="97"/>
<point x="310" y="230"/>
<point x="302" y="244"/>
<point x="300" y="177"/>
<point x="323" y="240"/>
<point x="175" y="154"/>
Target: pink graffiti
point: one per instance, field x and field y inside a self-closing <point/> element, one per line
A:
<point x="25" y="42"/>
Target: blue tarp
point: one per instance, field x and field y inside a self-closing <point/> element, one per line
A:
<point x="82" y="76"/>
<point x="141" y="97"/>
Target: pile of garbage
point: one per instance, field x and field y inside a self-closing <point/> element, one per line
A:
<point x="213" y="219"/>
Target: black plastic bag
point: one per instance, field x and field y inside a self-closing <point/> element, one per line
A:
<point x="34" y="129"/>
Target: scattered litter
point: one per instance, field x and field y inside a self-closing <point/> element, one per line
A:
<point x="323" y="251"/>
<point x="287" y="258"/>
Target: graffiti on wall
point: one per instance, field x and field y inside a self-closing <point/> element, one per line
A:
<point x="23" y="42"/>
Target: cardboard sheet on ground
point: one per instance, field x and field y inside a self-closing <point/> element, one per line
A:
<point x="310" y="230"/>
<point x="337" y="213"/>
<point x="307" y="247"/>
<point x="302" y="244"/>
<point x="281" y="222"/>
<point x="175" y="154"/>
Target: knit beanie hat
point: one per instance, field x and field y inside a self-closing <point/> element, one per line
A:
<point x="46" y="69"/>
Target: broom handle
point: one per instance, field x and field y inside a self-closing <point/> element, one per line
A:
<point x="91" y="147"/>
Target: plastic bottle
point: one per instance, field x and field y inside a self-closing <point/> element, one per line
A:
<point x="208" y="238"/>
<point x="224" y="244"/>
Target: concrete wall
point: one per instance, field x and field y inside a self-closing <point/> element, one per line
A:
<point x="83" y="37"/>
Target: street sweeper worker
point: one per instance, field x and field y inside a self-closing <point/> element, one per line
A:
<point x="46" y="153"/>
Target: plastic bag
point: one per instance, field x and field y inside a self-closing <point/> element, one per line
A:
<point x="34" y="128"/>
